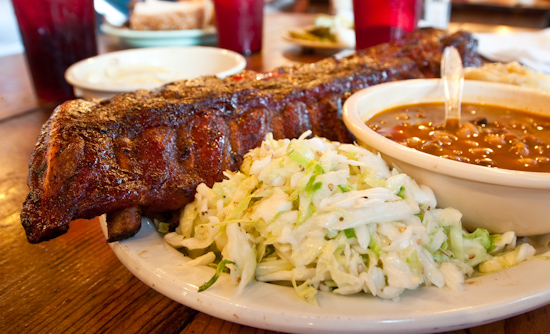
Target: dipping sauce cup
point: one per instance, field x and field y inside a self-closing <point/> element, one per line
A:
<point x="381" y="21"/>
<point x="240" y="25"/>
<point x="56" y="34"/>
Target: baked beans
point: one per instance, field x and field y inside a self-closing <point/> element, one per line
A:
<point x="488" y="135"/>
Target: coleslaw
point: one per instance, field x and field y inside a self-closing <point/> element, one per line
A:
<point x="326" y="216"/>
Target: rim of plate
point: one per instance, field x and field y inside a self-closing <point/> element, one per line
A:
<point x="129" y="33"/>
<point x="484" y="299"/>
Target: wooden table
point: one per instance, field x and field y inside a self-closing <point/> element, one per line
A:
<point x="75" y="284"/>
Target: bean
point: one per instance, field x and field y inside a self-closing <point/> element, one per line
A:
<point x="519" y="148"/>
<point x="444" y="138"/>
<point x="509" y="137"/>
<point x="531" y="139"/>
<point x="413" y="142"/>
<point x="485" y="162"/>
<point x="480" y="151"/>
<point x="471" y="143"/>
<point x="481" y="121"/>
<point x="494" y="130"/>
<point x="456" y="157"/>
<point x="495" y="140"/>
<point x="467" y="130"/>
<point x="527" y="162"/>
<point x="431" y="145"/>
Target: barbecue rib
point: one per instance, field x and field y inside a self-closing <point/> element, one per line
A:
<point x="145" y="152"/>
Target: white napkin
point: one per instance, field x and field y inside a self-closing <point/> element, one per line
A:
<point x="532" y="49"/>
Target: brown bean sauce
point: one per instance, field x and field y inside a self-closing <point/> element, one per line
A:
<point x="488" y="135"/>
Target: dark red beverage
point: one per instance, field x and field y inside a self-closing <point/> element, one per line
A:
<point x="56" y="34"/>
<point x="381" y="21"/>
<point x="240" y="25"/>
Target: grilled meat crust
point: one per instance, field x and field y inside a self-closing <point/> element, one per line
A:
<point x="146" y="151"/>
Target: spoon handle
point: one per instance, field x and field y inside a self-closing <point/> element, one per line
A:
<point x="453" y="80"/>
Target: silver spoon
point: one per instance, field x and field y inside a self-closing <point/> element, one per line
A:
<point x="453" y="80"/>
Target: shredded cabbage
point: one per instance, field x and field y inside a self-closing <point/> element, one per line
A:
<point x="326" y="216"/>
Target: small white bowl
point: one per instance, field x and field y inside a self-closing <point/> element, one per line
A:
<point x="112" y="73"/>
<point x="496" y="199"/>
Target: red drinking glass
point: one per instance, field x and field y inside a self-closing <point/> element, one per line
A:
<point x="381" y="21"/>
<point x="240" y="25"/>
<point x="56" y="34"/>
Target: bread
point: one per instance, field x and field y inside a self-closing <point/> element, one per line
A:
<point x="168" y="15"/>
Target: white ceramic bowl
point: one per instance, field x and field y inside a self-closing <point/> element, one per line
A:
<point x="496" y="199"/>
<point x="106" y="75"/>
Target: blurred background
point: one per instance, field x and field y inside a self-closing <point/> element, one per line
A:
<point x="517" y="13"/>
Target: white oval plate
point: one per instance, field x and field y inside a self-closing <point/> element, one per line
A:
<point x="426" y="310"/>
<point x="148" y="38"/>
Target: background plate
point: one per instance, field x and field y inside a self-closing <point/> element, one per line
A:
<point x="426" y="310"/>
<point x="147" y="38"/>
<point x="314" y="44"/>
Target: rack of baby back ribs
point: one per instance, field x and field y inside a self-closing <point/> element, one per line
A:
<point x="144" y="152"/>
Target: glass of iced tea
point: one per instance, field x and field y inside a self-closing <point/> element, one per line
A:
<point x="56" y="34"/>
<point x="381" y="21"/>
<point x="240" y="25"/>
